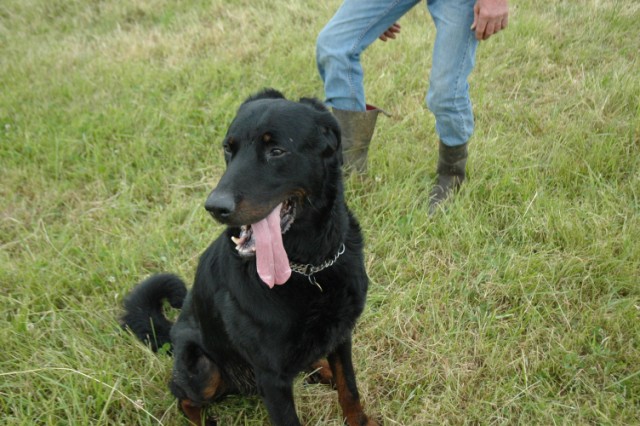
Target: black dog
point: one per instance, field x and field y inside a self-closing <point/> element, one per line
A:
<point x="255" y="319"/>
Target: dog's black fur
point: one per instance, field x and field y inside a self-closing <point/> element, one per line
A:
<point x="235" y="334"/>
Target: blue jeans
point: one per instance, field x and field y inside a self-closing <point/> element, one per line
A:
<point x="358" y="23"/>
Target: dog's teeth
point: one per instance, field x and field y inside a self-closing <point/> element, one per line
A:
<point x="236" y="241"/>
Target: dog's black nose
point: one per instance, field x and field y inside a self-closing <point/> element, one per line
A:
<point x="221" y="205"/>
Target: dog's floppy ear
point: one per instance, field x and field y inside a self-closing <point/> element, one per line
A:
<point x="266" y="93"/>
<point x="329" y="128"/>
<point x="331" y="134"/>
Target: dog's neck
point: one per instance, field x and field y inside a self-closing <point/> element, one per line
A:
<point x="321" y="229"/>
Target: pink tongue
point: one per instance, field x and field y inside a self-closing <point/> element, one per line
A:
<point x="272" y="260"/>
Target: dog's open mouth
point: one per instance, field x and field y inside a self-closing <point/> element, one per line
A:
<point x="246" y="242"/>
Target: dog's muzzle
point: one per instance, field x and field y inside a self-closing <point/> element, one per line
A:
<point x="245" y="242"/>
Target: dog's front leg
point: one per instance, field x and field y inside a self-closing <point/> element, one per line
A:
<point x="277" y="393"/>
<point x="345" y="382"/>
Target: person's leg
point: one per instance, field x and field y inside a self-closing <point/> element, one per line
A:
<point x="355" y="25"/>
<point x="448" y="96"/>
<point x="453" y="60"/>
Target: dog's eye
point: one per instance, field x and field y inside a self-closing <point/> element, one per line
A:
<point x="276" y="152"/>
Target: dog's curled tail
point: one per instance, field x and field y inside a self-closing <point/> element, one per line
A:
<point x="144" y="315"/>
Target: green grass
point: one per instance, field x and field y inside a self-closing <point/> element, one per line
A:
<point x="519" y="305"/>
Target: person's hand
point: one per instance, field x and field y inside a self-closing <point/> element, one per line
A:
<point x="489" y="17"/>
<point x="391" y="32"/>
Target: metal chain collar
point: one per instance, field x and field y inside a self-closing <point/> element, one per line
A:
<point x="308" y="270"/>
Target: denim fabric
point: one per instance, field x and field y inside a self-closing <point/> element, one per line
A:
<point x="358" y="23"/>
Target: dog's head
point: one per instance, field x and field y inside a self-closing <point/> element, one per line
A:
<point x="278" y="152"/>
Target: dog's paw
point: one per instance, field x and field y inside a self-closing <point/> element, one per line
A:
<point x="366" y="421"/>
<point x="210" y="422"/>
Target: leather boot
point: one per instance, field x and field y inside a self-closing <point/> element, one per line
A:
<point x="357" y="131"/>
<point x="451" y="173"/>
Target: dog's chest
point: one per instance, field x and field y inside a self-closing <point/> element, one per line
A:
<point x="287" y="325"/>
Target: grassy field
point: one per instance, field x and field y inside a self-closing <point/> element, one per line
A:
<point x="519" y="305"/>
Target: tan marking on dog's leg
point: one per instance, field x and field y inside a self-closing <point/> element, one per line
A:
<point x="350" y="402"/>
<point x="321" y="373"/>
<point x="192" y="412"/>
<point x="215" y="387"/>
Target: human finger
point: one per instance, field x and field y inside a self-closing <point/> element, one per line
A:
<point x="505" y="22"/>
<point x="489" y="30"/>
<point x="476" y="11"/>
<point x="390" y="33"/>
<point x="480" y="27"/>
